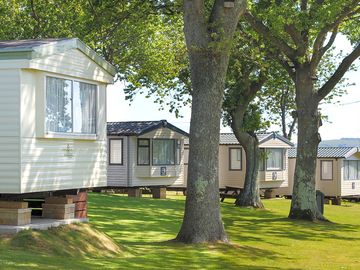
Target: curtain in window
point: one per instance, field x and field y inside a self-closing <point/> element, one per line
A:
<point x="186" y="156"/>
<point x="143" y="152"/>
<point x="235" y="159"/>
<point x="274" y="159"/>
<point x="58" y="105"/>
<point x="143" y="156"/>
<point x="326" y="170"/>
<point x="163" y="152"/>
<point x="115" y="151"/>
<point x="350" y="169"/>
<point x="178" y="151"/>
<point x="84" y="101"/>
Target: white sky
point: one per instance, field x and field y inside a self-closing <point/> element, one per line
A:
<point x="344" y="118"/>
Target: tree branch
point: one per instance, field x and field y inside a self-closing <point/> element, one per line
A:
<point x="221" y="17"/>
<point x="292" y="127"/>
<point x="265" y="32"/>
<point x="339" y="73"/>
<point x="303" y="5"/>
<point x="318" y="49"/>
<point x="297" y="38"/>
<point x="36" y="18"/>
<point x="287" y="67"/>
<point x="195" y="24"/>
<point x="255" y="86"/>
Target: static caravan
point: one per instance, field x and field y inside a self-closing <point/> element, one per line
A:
<point x="273" y="172"/>
<point x="337" y="172"/>
<point x="52" y="117"/>
<point x="145" y="154"/>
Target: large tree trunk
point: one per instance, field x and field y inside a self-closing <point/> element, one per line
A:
<point x="250" y="196"/>
<point x="303" y="203"/>
<point x="202" y="219"/>
<point x="208" y="42"/>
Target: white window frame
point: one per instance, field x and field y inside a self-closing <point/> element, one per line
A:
<point x="68" y="135"/>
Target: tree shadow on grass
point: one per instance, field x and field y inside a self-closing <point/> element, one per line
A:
<point x="136" y="220"/>
<point x="257" y="224"/>
<point x="144" y="224"/>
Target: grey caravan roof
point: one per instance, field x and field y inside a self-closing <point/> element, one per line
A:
<point x="330" y="152"/>
<point x="136" y="128"/>
<point x="229" y="138"/>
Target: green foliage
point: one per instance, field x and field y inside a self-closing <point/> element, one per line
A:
<point x="246" y="67"/>
<point x="143" y="39"/>
<point x="305" y="27"/>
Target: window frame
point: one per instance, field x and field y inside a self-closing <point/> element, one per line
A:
<point x="152" y="151"/>
<point x="321" y="171"/>
<point x="122" y="151"/>
<point x="282" y="160"/>
<point x="357" y="170"/>
<point x="142" y="146"/>
<point x="72" y="134"/>
<point x="241" y="158"/>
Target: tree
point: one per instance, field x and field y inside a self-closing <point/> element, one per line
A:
<point x="278" y="100"/>
<point x="300" y="33"/>
<point x="208" y="34"/>
<point x="246" y="76"/>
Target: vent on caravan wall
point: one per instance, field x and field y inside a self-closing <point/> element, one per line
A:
<point x="353" y="185"/>
<point x="274" y="176"/>
<point x="163" y="171"/>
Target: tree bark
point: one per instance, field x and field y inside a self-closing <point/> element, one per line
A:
<point x="202" y="219"/>
<point x="208" y="42"/>
<point x="250" y="196"/>
<point x="303" y="203"/>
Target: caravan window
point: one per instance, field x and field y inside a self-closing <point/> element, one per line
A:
<point x="235" y="157"/>
<point x="274" y="161"/>
<point x="351" y="169"/>
<point x="143" y="152"/>
<point x="164" y="151"/>
<point x="70" y="106"/>
<point x="115" y="151"/>
<point x="326" y="167"/>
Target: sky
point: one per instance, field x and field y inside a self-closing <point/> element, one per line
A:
<point x="343" y="117"/>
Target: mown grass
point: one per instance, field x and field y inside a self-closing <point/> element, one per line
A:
<point x="260" y="239"/>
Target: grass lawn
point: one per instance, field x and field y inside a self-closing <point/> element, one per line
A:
<point x="260" y="239"/>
